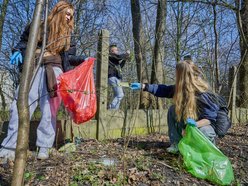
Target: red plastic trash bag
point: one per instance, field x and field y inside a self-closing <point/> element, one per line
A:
<point x="78" y="93"/>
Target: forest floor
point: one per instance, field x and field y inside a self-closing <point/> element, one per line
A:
<point x="144" y="162"/>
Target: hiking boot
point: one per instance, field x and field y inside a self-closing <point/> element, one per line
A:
<point x="43" y="153"/>
<point x="173" y="149"/>
<point x="7" y="153"/>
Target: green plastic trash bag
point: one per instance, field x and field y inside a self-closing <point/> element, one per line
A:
<point x="203" y="159"/>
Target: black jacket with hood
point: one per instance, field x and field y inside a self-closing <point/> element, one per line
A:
<point x="116" y="63"/>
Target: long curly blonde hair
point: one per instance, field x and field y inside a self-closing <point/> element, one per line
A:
<point x="59" y="31"/>
<point x="189" y="82"/>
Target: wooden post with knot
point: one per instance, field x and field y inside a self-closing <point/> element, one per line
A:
<point x="102" y="80"/>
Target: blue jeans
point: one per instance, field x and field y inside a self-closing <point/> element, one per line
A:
<point x="118" y="92"/>
<point x="175" y="128"/>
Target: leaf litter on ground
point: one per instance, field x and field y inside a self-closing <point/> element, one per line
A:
<point x="144" y="162"/>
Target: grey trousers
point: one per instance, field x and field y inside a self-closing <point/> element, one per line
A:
<point x="48" y="106"/>
<point x="175" y="128"/>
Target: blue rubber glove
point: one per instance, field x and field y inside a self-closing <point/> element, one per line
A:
<point x="135" y="86"/>
<point x="16" y="58"/>
<point x="191" y="122"/>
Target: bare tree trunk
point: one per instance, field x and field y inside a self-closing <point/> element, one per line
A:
<point x="179" y="20"/>
<point x="2" y="98"/>
<point x="137" y="37"/>
<point x="158" y="51"/>
<point x="2" y="92"/>
<point x="137" y="32"/>
<point x="2" y="19"/>
<point x="78" y="13"/>
<point x="216" y="38"/>
<point x="243" y="70"/>
<point x="22" y="104"/>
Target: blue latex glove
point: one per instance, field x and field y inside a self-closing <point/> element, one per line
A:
<point x="135" y="86"/>
<point x="191" y="122"/>
<point x="16" y="58"/>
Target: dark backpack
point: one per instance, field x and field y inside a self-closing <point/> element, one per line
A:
<point x="223" y="122"/>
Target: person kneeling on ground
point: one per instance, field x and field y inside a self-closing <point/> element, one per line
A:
<point x="192" y="99"/>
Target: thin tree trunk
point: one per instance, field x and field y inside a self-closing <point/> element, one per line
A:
<point x="2" y="98"/>
<point x="2" y="93"/>
<point x="158" y="51"/>
<point x="138" y="38"/>
<point x="243" y="70"/>
<point x="78" y="13"/>
<point x="137" y="32"/>
<point x="22" y="104"/>
<point x="179" y="20"/>
<point x="2" y="19"/>
<point x="216" y="44"/>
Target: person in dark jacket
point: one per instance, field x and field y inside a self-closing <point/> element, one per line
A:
<point x="116" y="63"/>
<point x="58" y="57"/>
<point x="192" y="98"/>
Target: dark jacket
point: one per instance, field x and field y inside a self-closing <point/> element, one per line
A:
<point x="69" y="58"/>
<point x="116" y="63"/>
<point x="206" y="105"/>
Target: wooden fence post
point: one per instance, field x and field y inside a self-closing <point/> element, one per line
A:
<point x="102" y="80"/>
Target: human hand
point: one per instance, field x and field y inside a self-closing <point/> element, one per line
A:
<point x="191" y="122"/>
<point x="16" y="58"/>
<point x="135" y="86"/>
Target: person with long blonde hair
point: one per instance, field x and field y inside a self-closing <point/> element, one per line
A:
<point x="59" y="56"/>
<point x="192" y="98"/>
